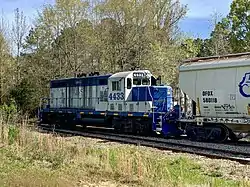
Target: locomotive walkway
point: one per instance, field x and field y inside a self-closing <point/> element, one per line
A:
<point x="235" y="152"/>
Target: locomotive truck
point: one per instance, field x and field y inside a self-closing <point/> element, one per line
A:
<point x="133" y="102"/>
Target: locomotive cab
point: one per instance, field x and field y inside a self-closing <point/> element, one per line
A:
<point x="136" y="93"/>
<point x="122" y="96"/>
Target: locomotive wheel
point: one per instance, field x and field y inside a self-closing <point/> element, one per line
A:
<point x="191" y="132"/>
<point x="117" y="125"/>
<point x="67" y="122"/>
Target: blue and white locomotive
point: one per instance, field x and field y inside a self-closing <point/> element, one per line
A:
<point x="129" y="102"/>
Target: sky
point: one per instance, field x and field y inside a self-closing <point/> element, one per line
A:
<point x="197" y="23"/>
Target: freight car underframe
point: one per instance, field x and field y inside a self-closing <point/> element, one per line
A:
<point x="212" y="130"/>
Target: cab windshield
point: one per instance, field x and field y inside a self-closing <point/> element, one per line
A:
<point x="145" y="81"/>
<point x="141" y="81"/>
<point x="136" y="81"/>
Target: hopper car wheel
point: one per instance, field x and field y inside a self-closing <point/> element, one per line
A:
<point x="233" y="137"/>
<point x="221" y="133"/>
<point x="218" y="133"/>
<point x="224" y="133"/>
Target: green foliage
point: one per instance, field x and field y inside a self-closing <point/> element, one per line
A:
<point x="7" y="69"/>
<point x="239" y="18"/>
<point x="8" y="112"/>
<point x="217" y="44"/>
<point x="24" y="96"/>
<point x="193" y="47"/>
<point x="13" y="134"/>
<point x="113" y="159"/>
<point x="9" y="109"/>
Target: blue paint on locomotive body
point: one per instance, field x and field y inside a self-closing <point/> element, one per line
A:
<point x="161" y="96"/>
<point x="170" y="126"/>
<point x="81" y="81"/>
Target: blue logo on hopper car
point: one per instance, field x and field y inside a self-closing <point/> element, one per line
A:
<point x="244" y="86"/>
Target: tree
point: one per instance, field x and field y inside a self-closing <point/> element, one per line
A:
<point x="193" y="47"/>
<point x="239" y="19"/>
<point x="54" y="22"/>
<point x="6" y="65"/>
<point x="136" y="28"/>
<point x="19" y="30"/>
<point x="219" y="42"/>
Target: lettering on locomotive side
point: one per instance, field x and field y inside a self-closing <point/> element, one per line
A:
<point x="116" y="96"/>
<point x="208" y="97"/>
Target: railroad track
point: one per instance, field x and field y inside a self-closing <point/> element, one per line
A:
<point x="220" y="151"/>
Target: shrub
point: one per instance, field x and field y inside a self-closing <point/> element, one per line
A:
<point x="24" y="95"/>
<point x="13" y="134"/>
<point x="8" y="112"/>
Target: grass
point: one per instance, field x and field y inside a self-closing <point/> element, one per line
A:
<point x="30" y="158"/>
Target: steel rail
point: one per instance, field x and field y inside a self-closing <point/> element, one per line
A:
<point x="187" y="143"/>
<point x="210" y="152"/>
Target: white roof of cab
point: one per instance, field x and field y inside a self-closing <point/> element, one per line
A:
<point x="126" y="73"/>
<point x="121" y="74"/>
<point x="226" y="61"/>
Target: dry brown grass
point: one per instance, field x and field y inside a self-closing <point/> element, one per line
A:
<point x="30" y="158"/>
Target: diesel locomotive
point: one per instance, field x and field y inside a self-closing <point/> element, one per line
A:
<point x="129" y="102"/>
<point x="214" y="90"/>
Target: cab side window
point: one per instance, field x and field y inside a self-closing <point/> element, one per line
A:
<point x="116" y="86"/>
<point x="129" y="83"/>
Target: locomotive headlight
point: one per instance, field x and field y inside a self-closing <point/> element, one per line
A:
<point x="139" y="74"/>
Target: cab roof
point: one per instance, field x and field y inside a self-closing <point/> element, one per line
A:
<point x="127" y="73"/>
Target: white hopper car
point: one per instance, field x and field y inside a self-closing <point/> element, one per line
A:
<point x="220" y="89"/>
